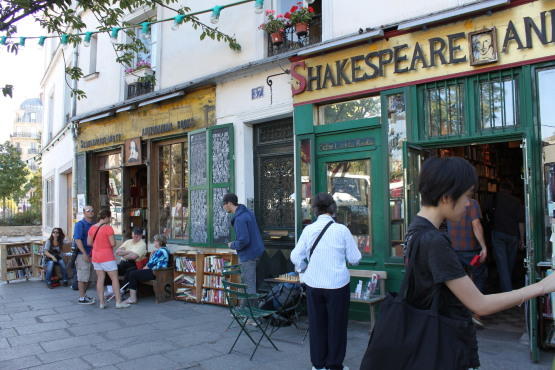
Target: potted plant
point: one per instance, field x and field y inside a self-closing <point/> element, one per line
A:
<point x="274" y="26"/>
<point x="140" y="72"/>
<point x="300" y="17"/>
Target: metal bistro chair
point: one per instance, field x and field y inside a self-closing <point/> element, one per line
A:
<point x="231" y="273"/>
<point x="236" y="292"/>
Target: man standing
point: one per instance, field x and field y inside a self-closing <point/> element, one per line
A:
<point x="508" y="230"/>
<point x="249" y="245"/>
<point x="467" y="239"/>
<point x="83" y="262"/>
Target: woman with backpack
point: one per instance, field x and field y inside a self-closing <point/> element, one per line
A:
<point x="321" y="255"/>
<point x="428" y="325"/>
<point x="101" y="237"/>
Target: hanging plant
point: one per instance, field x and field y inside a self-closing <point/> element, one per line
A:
<point x="300" y="16"/>
<point x="274" y="26"/>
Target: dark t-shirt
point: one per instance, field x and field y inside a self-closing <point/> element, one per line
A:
<point x="508" y="214"/>
<point x="435" y="263"/>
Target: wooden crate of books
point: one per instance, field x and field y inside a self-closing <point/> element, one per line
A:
<point x="187" y="274"/>
<point x="16" y="260"/>
<point x="212" y="287"/>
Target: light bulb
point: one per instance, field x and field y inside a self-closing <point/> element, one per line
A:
<point x="87" y="39"/>
<point x="42" y="39"/>
<point x="177" y="21"/>
<point x="216" y="14"/>
<point x="258" y="6"/>
<point x="145" y="29"/>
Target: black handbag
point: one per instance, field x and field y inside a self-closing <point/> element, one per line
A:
<point x="409" y="338"/>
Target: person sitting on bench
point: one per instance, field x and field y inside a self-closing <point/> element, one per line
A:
<point x="53" y="255"/>
<point x="158" y="260"/>
<point x="131" y="251"/>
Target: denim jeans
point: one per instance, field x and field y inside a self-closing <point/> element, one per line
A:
<point x="50" y="269"/>
<point x="248" y="277"/>
<point x="479" y="273"/>
<point x="504" y="250"/>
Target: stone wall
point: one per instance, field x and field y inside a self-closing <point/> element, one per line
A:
<point x="11" y="231"/>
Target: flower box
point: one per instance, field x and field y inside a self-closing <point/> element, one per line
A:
<point x="133" y="76"/>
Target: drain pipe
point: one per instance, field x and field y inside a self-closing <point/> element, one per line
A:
<point x="74" y="133"/>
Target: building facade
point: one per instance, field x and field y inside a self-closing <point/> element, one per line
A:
<point x="352" y="108"/>
<point x="26" y="131"/>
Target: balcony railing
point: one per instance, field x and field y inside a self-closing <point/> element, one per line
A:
<point x="139" y="88"/>
<point x="292" y="41"/>
<point x="25" y="134"/>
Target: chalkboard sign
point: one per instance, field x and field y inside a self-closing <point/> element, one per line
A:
<point x="81" y="173"/>
<point x="199" y="216"/>
<point x="222" y="219"/>
<point x="220" y="156"/>
<point x="197" y="163"/>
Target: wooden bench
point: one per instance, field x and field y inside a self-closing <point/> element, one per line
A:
<point x="374" y="299"/>
<point x="162" y="285"/>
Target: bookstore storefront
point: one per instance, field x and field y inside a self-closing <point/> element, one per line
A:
<point x="163" y="167"/>
<point x="482" y="88"/>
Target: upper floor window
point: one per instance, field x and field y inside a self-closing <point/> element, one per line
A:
<point x="138" y="74"/>
<point x="294" y="38"/>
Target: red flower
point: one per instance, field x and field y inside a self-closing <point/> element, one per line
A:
<point x="311" y="9"/>
<point x="294" y="9"/>
<point x="287" y="15"/>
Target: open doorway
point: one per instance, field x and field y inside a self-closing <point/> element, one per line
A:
<point x="497" y="164"/>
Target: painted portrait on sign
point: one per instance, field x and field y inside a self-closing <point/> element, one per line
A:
<point x="133" y="152"/>
<point x="483" y="47"/>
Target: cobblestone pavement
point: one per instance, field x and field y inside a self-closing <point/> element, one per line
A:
<point x="47" y="329"/>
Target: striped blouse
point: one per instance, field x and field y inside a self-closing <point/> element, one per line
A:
<point x="328" y="266"/>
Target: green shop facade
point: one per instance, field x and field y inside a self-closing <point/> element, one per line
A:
<point x="483" y="88"/>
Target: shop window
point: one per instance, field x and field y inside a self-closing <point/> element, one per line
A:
<point x="111" y="195"/>
<point x="397" y="135"/>
<point x="306" y="183"/>
<point x="211" y="177"/>
<point x="351" y="110"/>
<point x="49" y="191"/>
<point x="172" y="189"/>
<point x="443" y="111"/>
<point x="497" y="99"/>
<point x="546" y="95"/>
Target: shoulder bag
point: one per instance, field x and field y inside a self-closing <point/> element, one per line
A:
<point x="409" y="338"/>
<point x="316" y="243"/>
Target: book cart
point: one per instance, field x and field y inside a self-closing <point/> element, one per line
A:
<point x="198" y="276"/>
<point x="18" y="260"/>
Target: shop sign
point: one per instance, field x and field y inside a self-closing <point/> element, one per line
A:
<point x="347" y="144"/>
<point x="104" y="140"/>
<point x="194" y="111"/>
<point x="458" y="47"/>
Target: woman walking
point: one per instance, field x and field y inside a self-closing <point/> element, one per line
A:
<point x="322" y="252"/>
<point x="429" y="324"/>
<point x="53" y="254"/>
<point x="101" y="237"/>
<point x="159" y="259"/>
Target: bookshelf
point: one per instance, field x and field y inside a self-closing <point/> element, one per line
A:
<point x="198" y="276"/>
<point x="17" y="260"/>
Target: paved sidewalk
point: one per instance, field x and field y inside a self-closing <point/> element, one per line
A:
<point x="47" y="329"/>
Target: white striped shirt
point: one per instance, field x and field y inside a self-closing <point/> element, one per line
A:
<point x="328" y="266"/>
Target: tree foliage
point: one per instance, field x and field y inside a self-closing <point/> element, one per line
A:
<point x="34" y="186"/>
<point x="64" y="17"/>
<point x="13" y="173"/>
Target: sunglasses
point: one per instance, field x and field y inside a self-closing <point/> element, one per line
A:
<point x="55" y="232"/>
<point x="89" y="210"/>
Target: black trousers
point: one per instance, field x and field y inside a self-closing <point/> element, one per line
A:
<point x="328" y="311"/>
<point x="124" y="268"/>
<point x="139" y="275"/>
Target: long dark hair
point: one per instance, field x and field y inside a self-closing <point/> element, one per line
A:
<point x="61" y="236"/>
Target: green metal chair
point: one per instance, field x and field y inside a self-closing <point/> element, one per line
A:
<point x="242" y="313"/>
<point x="229" y="272"/>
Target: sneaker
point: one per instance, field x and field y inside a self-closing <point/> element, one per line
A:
<point x="122" y="305"/>
<point x="49" y="286"/>
<point x="251" y="322"/>
<point x="101" y="306"/>
<point x="476" y="320"/>
<point x="86" y="300"/>
<point x="64" y="283"/>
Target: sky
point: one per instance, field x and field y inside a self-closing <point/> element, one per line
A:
<point x="24" y="71"/>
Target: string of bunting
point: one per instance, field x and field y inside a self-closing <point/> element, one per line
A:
<point x="144" y="26"/>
